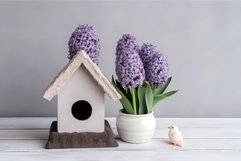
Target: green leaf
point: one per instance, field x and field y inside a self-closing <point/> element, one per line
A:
<point x="126" y="103"/>
<point x="137" y="100"/>
<point x="124" y="100"/>
<point x="118" y="84"/>
<point x="113" y="80"/>
<point x="123" y="90"/>
<point x="128" y="94"/>
<point x="158" y="98"/>
<point x="141" y="97"/>
<point x="160" y="90"/>
<point x="149" y="98"/>
<point x="133" y="93"/>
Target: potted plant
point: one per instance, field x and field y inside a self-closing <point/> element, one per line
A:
<point x="142" y="78"/>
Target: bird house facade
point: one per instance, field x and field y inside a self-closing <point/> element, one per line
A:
<point x="80" y="87"/>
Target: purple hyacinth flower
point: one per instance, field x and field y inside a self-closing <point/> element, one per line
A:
<point x="129" y="68"/>
<point x="85" y="38"/>
<point x="146" y="52"/>
<point x="156" y="70"/>
<point x="127" y="41"/>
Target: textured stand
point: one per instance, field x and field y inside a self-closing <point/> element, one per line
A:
<point x="80" y="140"/>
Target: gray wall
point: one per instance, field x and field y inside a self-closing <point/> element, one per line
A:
<point x="201" y="40"/>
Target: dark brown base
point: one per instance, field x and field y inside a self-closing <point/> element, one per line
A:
<point x="80" y="140"/>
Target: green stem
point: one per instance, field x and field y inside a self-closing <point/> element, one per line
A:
<point x="134" y="100"/>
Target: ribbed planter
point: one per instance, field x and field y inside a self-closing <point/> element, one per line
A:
<point x="135" y="128"/>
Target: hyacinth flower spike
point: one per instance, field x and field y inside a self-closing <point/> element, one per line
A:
<point x="85" y="38"/>
<point x="141" y="75"/>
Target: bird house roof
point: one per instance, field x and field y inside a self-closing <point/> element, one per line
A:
<point x="81" y="58"/>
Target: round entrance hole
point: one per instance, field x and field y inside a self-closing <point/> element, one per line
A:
<point x="81" y="110"/>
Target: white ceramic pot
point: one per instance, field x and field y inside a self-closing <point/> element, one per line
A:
<point x="135" y="128"/>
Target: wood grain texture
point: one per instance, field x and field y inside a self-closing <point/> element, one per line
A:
<point x="204" y="140"/>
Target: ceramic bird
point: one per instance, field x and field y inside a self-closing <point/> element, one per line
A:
<point x="175" y="136"/>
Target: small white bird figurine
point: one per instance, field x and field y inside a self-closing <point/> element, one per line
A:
<point x="175" y="136"/>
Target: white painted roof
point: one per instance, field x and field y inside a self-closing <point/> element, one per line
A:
<point x="81" y="58"/>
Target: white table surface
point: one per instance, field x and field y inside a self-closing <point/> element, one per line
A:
<point x="24" y="139"/>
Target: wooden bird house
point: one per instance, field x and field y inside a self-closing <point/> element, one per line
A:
<point x="80" y="88"/>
